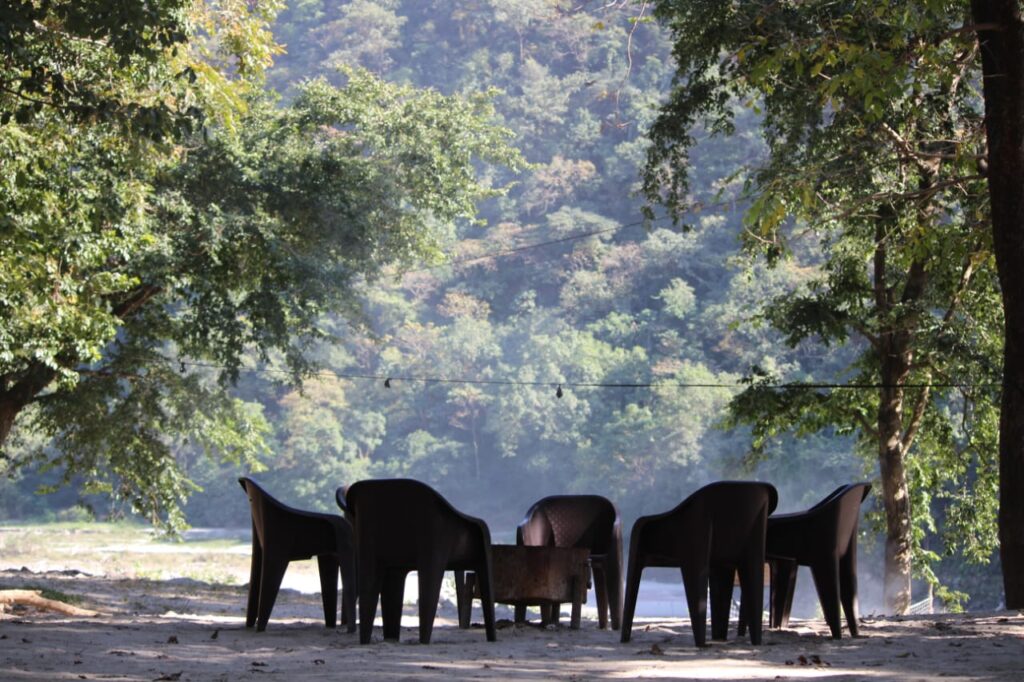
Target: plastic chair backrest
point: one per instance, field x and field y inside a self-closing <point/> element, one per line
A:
<point x="570" y="521"/>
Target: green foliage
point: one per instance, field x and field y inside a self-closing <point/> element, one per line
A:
<point x="874" y="130"/>
<point x="132" y="259"/>
<point x="60" y="56"/>
<point x="678" y="298"/>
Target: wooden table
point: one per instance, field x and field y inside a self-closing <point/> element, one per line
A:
<point x="540" y="576"/>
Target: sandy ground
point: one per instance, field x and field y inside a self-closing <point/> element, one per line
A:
<point x="189" y="630"/>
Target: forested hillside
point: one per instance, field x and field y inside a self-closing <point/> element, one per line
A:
<point x="566" y="345"/>
<point x="583" y="296"/>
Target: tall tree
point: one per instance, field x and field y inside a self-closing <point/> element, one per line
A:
<point x="874" y="134"/>
<point x="1000" y="32"/>
<point x="92" y="97"/>
<point x="135" y="250"/>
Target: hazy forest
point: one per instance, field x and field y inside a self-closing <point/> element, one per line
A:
<point x="567" y="335"/>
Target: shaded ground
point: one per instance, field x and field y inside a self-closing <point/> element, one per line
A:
<point x="191" y="630"/>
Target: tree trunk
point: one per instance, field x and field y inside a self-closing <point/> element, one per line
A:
<point x="1001" y="36"/>
<point x="895" y="496"/>
<point x="8" y="411"/>
<point x="17" y="392"/>
<point x="894" y="370"/>
<point x="895" y="357"/>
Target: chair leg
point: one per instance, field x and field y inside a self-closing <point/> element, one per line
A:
<point x="848" y="588"/>
<point x="695" y="582"/>
<point x="721" y="582"/>
<point x="486" y="582"/>
<point x="751" y="574"/>
<point x="579" y="592"/>
<point x="629" y="606"/>
<point x="270" y="583"/>
<point x="783" y="586"/>
<point x="430" y="579"/>
<point x="255" y="578"/>
<point x="741" y="622"/>
<point x="349" y="590"/>
<point x="370" y="585"/>
<point x="391" y="596"/>
<point x="327" y="564"/>
<point x="601" y="592"/>
<point x="826" y="580"/>
<point x="613" y="580"/>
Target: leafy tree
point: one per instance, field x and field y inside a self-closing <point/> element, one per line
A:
<point x="665" y="445"/>
<point x="364" y="35"/>
<point x="60" y="56"/>
<point x="874" y="132"/>
<point x="239" y="240"/>
<point x="323" y="437"/>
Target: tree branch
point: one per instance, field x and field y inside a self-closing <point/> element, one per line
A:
<point x="36" y="599"/>
<point x="965" y="279"/>
<point x="917" y="416"/>
<point x="865" y="425"/>
<point x="908" y="152"/>
<point x="861" y="329"/>
<point x="136" y="299"/>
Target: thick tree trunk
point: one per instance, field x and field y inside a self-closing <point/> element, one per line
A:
<point x="895" y="357"/>
<point x="895" y="498"/>
<point x="1001" y="36"/>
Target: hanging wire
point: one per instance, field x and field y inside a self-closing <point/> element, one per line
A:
<point x="561" y="386"/>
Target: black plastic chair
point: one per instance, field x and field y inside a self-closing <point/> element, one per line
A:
<point x="280" y="535"/>
<point x="824" y="538"/>
<point x="403" y="525"/>
<point x="585" y="521"/>
<point x="710" y="536"/>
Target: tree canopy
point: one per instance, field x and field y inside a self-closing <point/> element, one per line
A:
<point x="873" y="122"/>
<point x="133" y="252"/>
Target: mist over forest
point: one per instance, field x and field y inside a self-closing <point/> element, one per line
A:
<point x="565" y="345"/>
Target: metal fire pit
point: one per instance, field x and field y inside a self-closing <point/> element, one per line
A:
<point x="541" y="576"/>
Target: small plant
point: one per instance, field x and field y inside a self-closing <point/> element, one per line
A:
<point x="75" y="514"/>
<point x="55" y="595"/>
